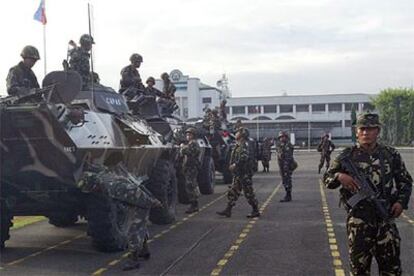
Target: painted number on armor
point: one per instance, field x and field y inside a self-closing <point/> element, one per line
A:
<point x="69" y="149"/>
<point x="113" y="101"/>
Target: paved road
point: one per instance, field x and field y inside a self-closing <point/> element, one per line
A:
<point x="304" y="237"/>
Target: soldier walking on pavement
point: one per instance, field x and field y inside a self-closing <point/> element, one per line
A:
<point x="266" y="153"/>
<point x="242" y="176"/>
<point x="79" y="58"/>
<point x="191" y="164"/>
<point x="371" y="235"/>
<point x="286" y="163"/>
<point x="21" y="78"/>
<point x="325" y="147"/>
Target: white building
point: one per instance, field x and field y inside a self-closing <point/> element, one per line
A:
<point x="307" y="116"/>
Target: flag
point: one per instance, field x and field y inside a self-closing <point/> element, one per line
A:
<point x="40" y="14"/>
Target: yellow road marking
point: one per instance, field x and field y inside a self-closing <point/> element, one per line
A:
<point x="336" y="256"/>
<point x="407" y="218"/>
<point x="22" y="221"/>
<point x="102" y="270"/>
<point x="242" y="237"/>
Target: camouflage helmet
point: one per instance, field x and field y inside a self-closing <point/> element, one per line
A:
<point x="136" y="58"/>
<point x="30" y="52"/>
<point x="86" y="39"/>
<point x="243" y="131"/>
<point x="150" y="79"/>
<point x="282" y="133"/>
<point x="191" y="130"/>
<point x="368" y="120"/>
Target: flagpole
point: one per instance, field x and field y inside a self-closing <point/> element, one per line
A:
<point x="44" y="49"/>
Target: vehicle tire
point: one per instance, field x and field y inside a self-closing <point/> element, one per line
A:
<point x="182" y="193"/>
<point x="5" y="223"/>
<point x="108" y="223"/>
<point x="63" y="219"/>
<point x="206" y="176"/>
<point x="163" y="185"/>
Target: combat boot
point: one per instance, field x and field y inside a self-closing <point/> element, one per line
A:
<point x="255" y="212"/>
<point x="144" y="253"/>
<point x="132" y="262"/>
<point x="288" y="197"/>
<point x="193" y="208"/>
<point x="226" y="212"/>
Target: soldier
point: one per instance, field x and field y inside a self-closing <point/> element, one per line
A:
<point x="191" y="164"/>
<point x="114" y="181"/>
<point x="369" y="235"/>
<point x="150" y="90"/>
<point x="168" y="87"/>
<point x="21" y="77"/>
<point x="242" y="176"/>
<point x="238" y="125"/>
<point x="266" y="153"/>
<point x="286" y="163"/>
<point x="131" y="82"/>
<point x="325" y="147"/>
<point x="79" y="58"/>
<point x="223" y="113"/>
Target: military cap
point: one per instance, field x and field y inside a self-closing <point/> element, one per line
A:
<point x="30" y="52"/>
<point x="244" y="132"/>
<point x="150" y="79"/>
<point x="85" y="38"/>
<point x="368" y="120"/>
<point x="282" y="133"/>
<point x="136" y="58"/>
<point x="191" y="130"/>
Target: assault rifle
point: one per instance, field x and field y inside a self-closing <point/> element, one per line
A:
<point x="367" y="191"/>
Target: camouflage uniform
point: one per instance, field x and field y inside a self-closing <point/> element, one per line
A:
<point x="325" y="147"/>
<point x="285" y="161"/>
<point x="130" y="78"/>
<point x="79" y="62"/>
<point x="20" y="80"/>
<point x="266" y="153"/>
<point x="191" y="164"/>
<point x="120" y="185"/>
<point x="368" y="234"/>
<point x="242" y="178"/>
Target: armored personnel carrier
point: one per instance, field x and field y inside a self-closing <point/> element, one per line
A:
<point x="47" y="137"/>
<point x="172" y="129"/>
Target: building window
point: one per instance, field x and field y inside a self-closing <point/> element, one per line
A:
<point x="270" y="108"/>
<point x="252" y="109"/>
<point x="286" y="108"/>
<point x="206" y="100"/>
<point x="238" y="109"/>
<point x="185" y="112"/>
<point x="318" y="108"/>
<point x="335" y="107"/>
<point x="368" y="107"/>
<point x="302" y="108"/>
<point x="227" y="109"/>
<point x="348" y="106"/>
<point x="348" y="123"/>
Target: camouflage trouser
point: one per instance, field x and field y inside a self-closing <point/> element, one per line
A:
<point x="380" y="240"/>
<point x="138" y="232"/>
<point x="325" y="157"/>
<point x="242" y="183"/>
<point x="265" y="163"/>
<point x="286" y="174"/>
<point x="191" y="184"/>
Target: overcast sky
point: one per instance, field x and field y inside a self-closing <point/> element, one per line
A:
<point x="265" y="47"/>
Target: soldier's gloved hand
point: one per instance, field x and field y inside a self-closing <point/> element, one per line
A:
<point x="156" y="203"/>
<point x="348" y="182"/>
<point x="396" y="209"/>
<point x="232" y="167"/>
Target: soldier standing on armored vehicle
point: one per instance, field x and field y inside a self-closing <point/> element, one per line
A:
<point x="114" y="181"/>
<point x="150" y="90"/>
<point x="284" y="151"/>
<point x="325" y="147"/>
<point x="167" y="101"/>
<point x="190" y="166"/>
<point x="79" y="58"/>
<point x="21" y="78"/>
<point x="240" y="165"/>
<point x="131" y="82"/>
<point x="371" y="227"/>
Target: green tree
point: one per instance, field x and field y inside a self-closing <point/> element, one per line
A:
<point x="396" y="108"/>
